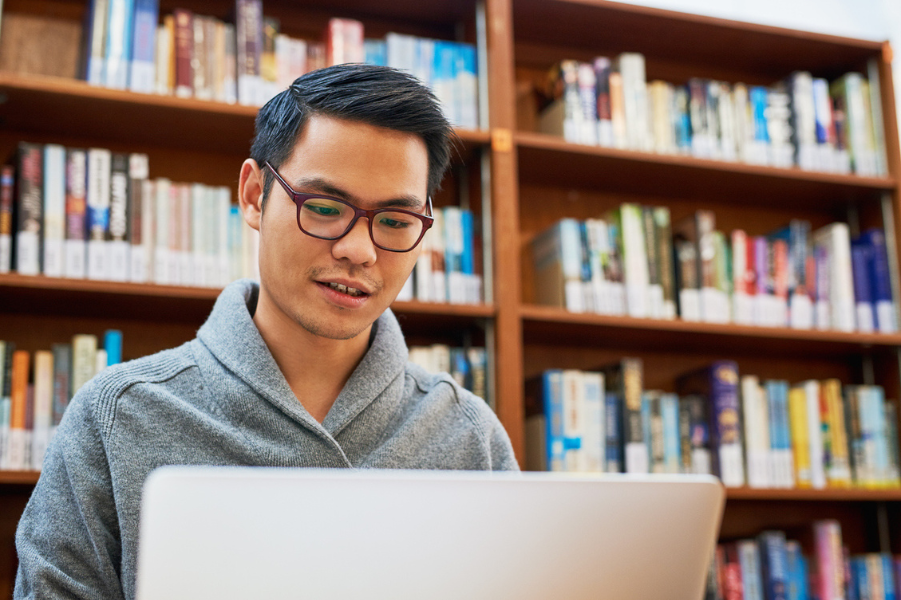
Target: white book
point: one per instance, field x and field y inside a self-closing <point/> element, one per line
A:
<point x="406" y="293"/>
<point x="756" y="433"/>
<point x="201" y="228"/>
<point x="594" y="440"/>
<point x="54" y="209"/>
<point x="162" y="273"/>
<point x="815" y="434"/>
<point x="223" y="204"/>
<point x="453" y="251"/>
<point x="574" y="419"/>
<point x="631" y="66"/>
<point x="163" y="60"/>
<point x="43" y="406"/>
<point x="183" y="244"/>
<point x="118" y="43"/>
<point x="836" y="239"/>
<point x="102" y="359"/>
<point x="4" y="431"/>
<point x="99" y="164"/>
<point x="635" y="260"/>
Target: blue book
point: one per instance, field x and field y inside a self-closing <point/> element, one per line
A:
<point x="613" y="432"/>
<point x="443" y="76"/>
<point x="95" y="42"/>
<point x="112" y="343"/>
<point x="860" y="575"/>
<point x="466" y="86"/>
<point x="552" y="386"/>
<point x="468" y="235"/>
<point x="751" y="578"/>
<point x="62" y="375"/>
<point x="860" y="274"/>
<point x="142" y="74"/>
<point x="672" y="454"/>
<point x="880" y="439"/>
<point x="773" y="564"/>
<point x="118" y="43"/>
<point x="758" y="98"/>
<point x="888" y="577"/>
<point x="796" y="572"/>
<point x="375" y="52"/>
<point x="880" y="280"/>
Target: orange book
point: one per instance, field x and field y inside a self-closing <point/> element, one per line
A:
<point x="17" y="441"/>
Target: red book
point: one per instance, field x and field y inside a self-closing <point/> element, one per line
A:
<point x="184" y="53"/>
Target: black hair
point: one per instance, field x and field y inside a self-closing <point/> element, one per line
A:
<point x="378" y="96"/>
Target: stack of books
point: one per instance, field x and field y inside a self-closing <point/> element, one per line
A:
<point x="96" y="214"/>
<point x="771" y="567"/>
<point x="634" y="262"/>
<point x="749" y="432"/>
<point x="468" y="366"/>
<point x="35" y="389"/>
<point x="805" y="121"/>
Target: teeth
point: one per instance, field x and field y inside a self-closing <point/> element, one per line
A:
<point x="345" y="290"/>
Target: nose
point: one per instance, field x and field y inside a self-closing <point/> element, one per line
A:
<point x="356" y="246"/>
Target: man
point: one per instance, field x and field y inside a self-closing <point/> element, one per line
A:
<point x="308" y="369"/>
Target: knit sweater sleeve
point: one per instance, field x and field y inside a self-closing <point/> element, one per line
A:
<point x="68" y="539"/>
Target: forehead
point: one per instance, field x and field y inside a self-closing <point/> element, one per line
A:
<point x="368" y="162"/>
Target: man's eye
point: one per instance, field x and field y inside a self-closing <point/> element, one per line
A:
<point x="324" y="211"/>
<point x="394" y="223"/>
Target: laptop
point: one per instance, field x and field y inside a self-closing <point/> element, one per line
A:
<point x="246" y="532"/>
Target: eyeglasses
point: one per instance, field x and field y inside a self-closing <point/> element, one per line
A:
<point x="328" y="218"/>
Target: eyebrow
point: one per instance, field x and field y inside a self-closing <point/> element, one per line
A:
<point x="321" y="186"/>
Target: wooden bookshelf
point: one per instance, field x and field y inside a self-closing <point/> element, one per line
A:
<point x="533" y="180"/>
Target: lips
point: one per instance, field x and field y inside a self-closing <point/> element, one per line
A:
<point x="350" y="291"/>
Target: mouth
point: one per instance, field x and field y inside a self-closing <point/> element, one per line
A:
<point x="344" y="289"/>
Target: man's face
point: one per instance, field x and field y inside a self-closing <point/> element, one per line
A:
<point x="370" y="167"/>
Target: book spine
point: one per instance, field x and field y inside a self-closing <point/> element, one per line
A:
<point x="757" y="448"/>
<point x="881" y="440"/>
<point x="725" y="423"/>
<point x="62" y="377"/>
<point x="669" y="408"/>
<point x="43" y="406"/>
<point x="613" y="433"/>
<point x="119" y="242"/>
<point x="99" y="171"/>
<point x="797" y="410"/>
<point x="772" y="550"/>
<point x="751" y="577"/>
<point x="880" y="281"/>
<point x="652" y="424"/>
<point x="840" y="471"/>
<point x="30" y="220"/>
<point x="828" y="549"/>
<point x="635" y="259"/>
<point x="16" y="443"/>
<point x="84" y="360"/>
<point x="574" y="417"/>
<point x="184" y="51"/>
<point x="75" y="263"/>
<point x="200" y="59"/>
<point x="891" y="423"/>
<point x="7" y="178"/>
<point x="553" y="406"/>
<point x="54" y="209"/>
<point x="249" y="45"/>
<point x="602" y="95"/>
<point x="635" y="451"/>
<point x="138" y="196"/>
<point x="118" y="43"/>
<point x="142" y="76"/>
<point x="594" y="441"/>
<point x="95" y="68"/>
<point x="112" y="343"/>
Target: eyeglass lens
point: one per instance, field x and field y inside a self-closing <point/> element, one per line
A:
<point x="327" y="218"/>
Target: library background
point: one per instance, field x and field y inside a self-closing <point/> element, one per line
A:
<point x="667" y="244"/>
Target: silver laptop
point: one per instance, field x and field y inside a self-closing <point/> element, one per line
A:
<point x="239" y="533"/>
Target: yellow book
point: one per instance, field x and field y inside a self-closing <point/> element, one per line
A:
<point x="797" y="415"/>
<point x="839" y="473"/>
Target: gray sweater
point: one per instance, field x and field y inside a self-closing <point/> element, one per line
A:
<point x="220" y="399"/>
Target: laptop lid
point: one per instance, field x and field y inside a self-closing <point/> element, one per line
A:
<point x="239" y="532"/>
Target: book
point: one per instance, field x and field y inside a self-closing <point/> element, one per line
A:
<point x="755" y="414"/>
<point x="556" y="254"/>
<point x="95" y="42"/>
<point x="43" y="407"/>
<point x="119" y="193"/>
<point x="54" y="210"/>
<point x="17" y="442"/>
<point x="140" y="218"/>
<point x="249" y="46"/>
<point x="142" y="75"/>
<point x="695" y="435"/>
<point x="98" y="206"/>
<point x="774" y="561"/>
<point x="828" y="551"/>
<point x="7" y="191"/>
<point x="29" y="209"/>
<point x="834" y="244"/>
<point x="62" y="382"/>
<point x="119" y="30"/>
<point x="625" y="380"/>
<point x="782" y="461"/>
<point x="183" y="52"/>
<point x="878" y="278"/>
<point x="76" y="249"/>
<point x="84" y="360"/>
<point x="719" y="384"/>
<point x="112" y="344"/>
<point x="839" y="472"/>
<point x="800" y="428"/>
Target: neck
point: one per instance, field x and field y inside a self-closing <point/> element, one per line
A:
<point x="316" y="368"/>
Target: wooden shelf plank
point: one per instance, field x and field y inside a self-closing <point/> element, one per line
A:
<point x="19" y="477"/>
<point x="548" y="324"/>
<point x="831" y="494"/>
<point x="549" y="160"/>
<point x="49" y="105"/>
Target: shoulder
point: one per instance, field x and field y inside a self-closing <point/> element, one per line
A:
<point x="102" y="394"/>
<point x="441" y="391"/>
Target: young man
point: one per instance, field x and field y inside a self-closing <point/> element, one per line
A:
<point x="308" y="369"/>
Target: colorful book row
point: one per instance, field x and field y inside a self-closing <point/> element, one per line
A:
<point x="250" y="60"/>
<point x="634" y="262"/>
<point x="804" y="121"/>
<point x="35" y="390"/>
<point x="95" y="214"/>
<point x="764" y="434"/>
<point x="772" y="567"/>
<point x="468" y="366"/>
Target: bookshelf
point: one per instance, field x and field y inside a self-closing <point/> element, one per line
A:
<point x="522" y="181"/>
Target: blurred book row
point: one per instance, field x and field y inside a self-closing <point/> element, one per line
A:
<point x="634" y="262"/>
<point x="468" y="366"/>
<point x="760" y="433"/>
<point x="804" y="121"/>
<point x="773" y="567"/>
<point x="246" y="59"/>
<point x="35" y="389"/>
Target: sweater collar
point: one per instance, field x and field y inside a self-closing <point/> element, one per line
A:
<point x="233" y="338"/>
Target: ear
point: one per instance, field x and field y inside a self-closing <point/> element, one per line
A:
<point x="250" y="193"/>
